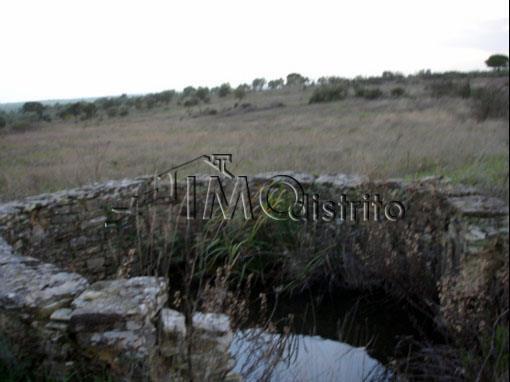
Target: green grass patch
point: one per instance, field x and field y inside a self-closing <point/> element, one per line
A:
<point x="489" y="174"/>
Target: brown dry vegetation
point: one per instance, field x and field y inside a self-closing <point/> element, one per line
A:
<point x="390" y="137"/>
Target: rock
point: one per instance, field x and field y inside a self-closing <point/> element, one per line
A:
<point x="96" y="264"/>
<point x="173" y="322"/>
<point x="115" y="320"/>
<point x="212" y="323"/>
<point x="119" y="301"/>
<point x="63" y="315"/>
<point x="479" y="206"/>
<point x="342" y="180"/>
<point x="301" y="177"/>
<point x="26" y="283"/>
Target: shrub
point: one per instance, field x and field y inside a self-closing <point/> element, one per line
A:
<point x="106" y="103"/>
<point x="258" y="84"/>
<point x="328" y="93"/>
<point x="166" y="96"/>
<point x="491" y="102"/>
<point x="374" y="93"/>
<point x="392" y="76"/>
<point x="88" y="110"/>
<point x="359" y="91"/>
<point x="398" y="92"/>
<point x="294" y="79"/>
<point x="84" y="109"/>
<point x="188" y="91"/>
<point x="3" y="122"/>
<point x="276" y="84"/>
<point x="464" y="90"/>
<point x="112" y="112"/>
<point x="368" y="93"/>
<point x="240" y="92"/>
<point x="224" y="90"/>
<point x="138" y="102"/>
<point x="151" y="100"/>
<point x="20" y="126"/>
<point x="202" y="94"/>
<point x="33" y="107"/>
<point x="193" y="101"/>
<point x="449" y="88"/>
<point x="72" y="110"/>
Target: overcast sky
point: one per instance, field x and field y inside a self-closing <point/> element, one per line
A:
<point x="85" y="48"/>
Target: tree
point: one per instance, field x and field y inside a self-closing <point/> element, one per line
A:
<point x="88" y="110"/>
<point x="188" y="91"/>
<point x="276" y="84"/>
<point x="202" y="94"/>
<point x="33" y="107"/>
<point x="3" y="122"/>
<point x="240" y="92"/>
<point x="166" y="96"/>
<point x="296" y="79"/>
<point x="224" y="90"/>
<point x="497" y="61"/>
<point x="258" y="84"/>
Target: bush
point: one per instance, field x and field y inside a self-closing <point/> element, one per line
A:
<point x="188" y="91"/>
<point x="240" y="92"/>
<point x="370" y="94"/>
<point x="464" y="90"/>
<point x="398" y="92"/>
<point x="33" y="107"/>
<point x="328" y="93"/>
<point x="166" y="96"/>
<point x="86" y="110"/>
<point x="258" y="84"/>
<point x="449" y="88"/>
<point x="392" y="76"/>
<point x="112" y="112"/>
<point x="296" y="79"/>
<point x="193" y="101"/>
<point x="276" y="84"/>
<point x="202" y="94"/>
<point x="491" y="102"/>
<point x="3" y="122"/>
<point x="36" y="108"/>
<point x="374" y="93"/>
<point x="20" y="126"/>
<point x="106" y="103"/>
<point x="224" y="90"/>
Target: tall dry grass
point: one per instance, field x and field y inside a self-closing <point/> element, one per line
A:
<point x="402" y="137"/>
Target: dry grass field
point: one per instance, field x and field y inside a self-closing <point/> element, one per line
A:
<point x="390" y="137"/>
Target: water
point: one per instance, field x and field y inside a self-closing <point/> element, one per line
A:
<point x="342" y="337"/>
<point x="305" y="358"/>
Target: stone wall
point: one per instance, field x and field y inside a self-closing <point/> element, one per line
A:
<point x="63" y="325"/>
<point x="61" y="300"/>
<point x="68" y="228"/>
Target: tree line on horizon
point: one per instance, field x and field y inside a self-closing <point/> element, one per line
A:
<point x="330" y="88"/>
